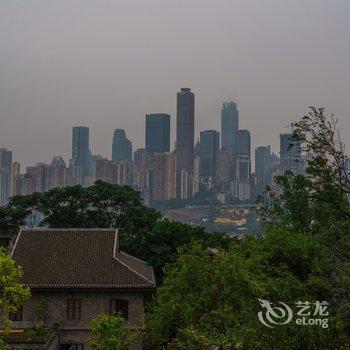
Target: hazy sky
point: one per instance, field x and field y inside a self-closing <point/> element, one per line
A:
<point x="105" y="64"/>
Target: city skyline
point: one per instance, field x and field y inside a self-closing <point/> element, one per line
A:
<point x="106" y="64"/>
<point x="140" y="144"/>
<point x="172" y="119"/>
<point x="157" y="173"/>
<point x="81" y="134"/>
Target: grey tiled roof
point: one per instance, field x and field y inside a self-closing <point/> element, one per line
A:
<point x="78" y="258"/>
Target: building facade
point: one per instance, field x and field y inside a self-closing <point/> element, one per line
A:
<point x="81" y="151"/>
<point x="229" y="125"/>
<point x="291" y="156"/>
<point x="209" y="148"/>
<point x="262" y="168"/>
<point x="143" y="172"/>
<point x="84" y="275"/>
<point x="243" y="143"/>
<point x="157" y="133"/>
<point x="164" y="176"/>
<point x="122" y="147"/>
<point x="184" y="135"/>
<point x="225" y="170"/>
<point x="5" y="175"/>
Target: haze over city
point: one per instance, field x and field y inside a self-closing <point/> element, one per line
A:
<point x="105" y="64"/>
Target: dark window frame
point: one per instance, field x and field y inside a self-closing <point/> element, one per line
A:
<point x="119" y="306"/>
<point x="73" y="309"/>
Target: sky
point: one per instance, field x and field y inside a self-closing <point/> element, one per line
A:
<point x="107" y="63"/>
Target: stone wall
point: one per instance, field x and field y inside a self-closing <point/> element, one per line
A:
<point x="54" y="305"/>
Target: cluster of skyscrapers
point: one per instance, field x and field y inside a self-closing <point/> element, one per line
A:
<point x="214" y="163"/>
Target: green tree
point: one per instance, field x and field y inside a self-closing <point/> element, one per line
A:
<point x="100" y="205"/>
<point x="111" y="333"/>
<point x="12" y="293"/>
<point x="144" y="233"/>
<point x="210" y="298"/>
<point x="158" y="243"/>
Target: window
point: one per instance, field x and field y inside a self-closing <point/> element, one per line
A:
<point x="17" y="316"/>
<point x="72" y="346"/>
<point x="119" y="306"/>
<point x="73" y="309"/>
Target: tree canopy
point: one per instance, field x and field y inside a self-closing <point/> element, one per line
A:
<point x="144" y="232"/>
<point x="12" y="293"/>
<point x="111" y="333"/>
<point x="210" y="298"/>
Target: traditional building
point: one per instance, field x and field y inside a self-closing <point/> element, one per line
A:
<point x="75" y="275"/>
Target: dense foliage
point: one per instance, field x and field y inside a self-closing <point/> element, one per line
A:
<point x="211" y="297"/>
<point x="12" y="293"/>
<point x="213" y="289"/>
<point x="111" y="333"/>
<point x="144" y="233"/>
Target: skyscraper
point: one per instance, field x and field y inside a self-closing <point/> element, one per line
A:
<point x="104" y="170"/>
<point x="224" y="169"/>
<point x="58" y="161"/>
<point x="158" y="133"/>
<point x="123" y="173"/>
<point x="288" y="146"/>
<point x="37" y="173"/>
<point x="5" y="175"/>
<point x="115" y="172"/>
<point x="209" y="148"/>
<point x="122" y="147"/>
<point x="262" y="167"/>
<point x="291" y="157"/>
<point x="143" y="174"/>
<point x="243" y="171"/>
<point x="16" y="179"/>
<point x="242" y="143"/>
<point x="164" y="176"/>
<point x="184" y="136"/>
<point x="229" y="125"/>
<point x="81" y="152"/>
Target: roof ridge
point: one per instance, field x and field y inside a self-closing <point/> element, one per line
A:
<point x="134" y="257"/>
<point x="76" y="250"/>
<point x="117" y="252"/>
<point x="16" y="241"/>
<point x="67" y="229"/>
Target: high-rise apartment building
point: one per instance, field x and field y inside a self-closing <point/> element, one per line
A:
<point x="229" y="125"/>
<point x="58" y="161"/>
<point x="123" y="173"/>
<point x="242" y="183"/>
<point x="73" y="173"/>
<point x="122" y="147"/>
<point x="37" y="174"/>
<point x="143" y="173"/>
<point x="5" y="175"/>
<point x="104" y="170"/>
<point x="81" y="152"/>
<point x="209" y="148"/>
<point x="16" y="179"/>
<point x="114" y="172"/>
<point x="157" y="133"/>
<point x="184" y="136"/>
<point x="262" y="168"/>
<point x="164" y="176"/>
<point x="55" y="174"/>
<point x="290" y="155"/>
<point x="243" y="143"/>
<point x="224" y="169"/>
